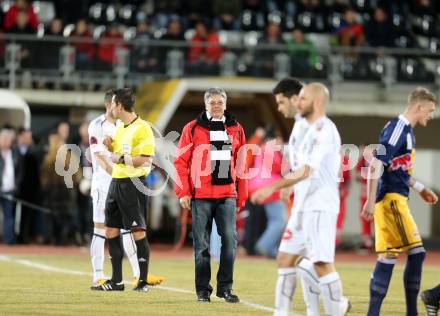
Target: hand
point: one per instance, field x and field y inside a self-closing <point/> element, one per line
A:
<point x="185" y="202"/>
<point x="116" y="157"/>
<point x="260" y="195"/>
<point x="428" y="196"/>
<point x="368" y="210"/>
<point x="285" y="194"/>
<point x="108" y="143"/>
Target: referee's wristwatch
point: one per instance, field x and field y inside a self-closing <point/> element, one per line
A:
<point x="121" y="159"/>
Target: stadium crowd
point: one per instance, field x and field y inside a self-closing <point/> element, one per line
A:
<point x="207" y="29"/>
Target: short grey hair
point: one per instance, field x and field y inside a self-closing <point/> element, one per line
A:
<point x="214" y="91"/>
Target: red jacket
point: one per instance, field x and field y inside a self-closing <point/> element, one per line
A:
<point x="11" y="17"/>
<point x="193" y="167"/>
<point x="107" y="50"/>
<point x="212" y="53"/>
<point x="84" y="44"/>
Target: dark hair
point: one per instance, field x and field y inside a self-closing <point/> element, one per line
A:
<point x="22" y="130"/>
<point x="125" y="97"/>
<point x="9" y="127"/>
<point x="109" y="95"/>
<point x="288" y="86"/>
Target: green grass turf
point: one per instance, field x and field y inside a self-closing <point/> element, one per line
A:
<point x="26" y="290"/>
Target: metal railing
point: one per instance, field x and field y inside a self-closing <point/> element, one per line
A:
<point x="73" y="62"/>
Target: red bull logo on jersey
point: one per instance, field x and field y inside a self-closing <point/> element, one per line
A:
<point x="404" y="162"/>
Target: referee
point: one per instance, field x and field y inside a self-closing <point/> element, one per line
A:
<point x="132" y="154"/>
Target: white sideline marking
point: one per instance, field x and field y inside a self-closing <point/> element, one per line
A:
<point x="48" y="268"/>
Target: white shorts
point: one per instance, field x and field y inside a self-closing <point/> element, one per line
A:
<point x="99" y="197"/>
<point x="293" y="241"/>
<point x="320" y="235"/>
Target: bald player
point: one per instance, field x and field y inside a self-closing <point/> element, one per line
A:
<point x="318" y="163"/>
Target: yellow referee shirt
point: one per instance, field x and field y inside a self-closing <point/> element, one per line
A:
<point x="134" y="139"/>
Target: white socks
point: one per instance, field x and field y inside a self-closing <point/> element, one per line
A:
<point x="284" y="290"/>
<point x="130" y="251"/>
<point x="331" y="290"/>
<point x="97" y="253"/>
<point x="310" y="286"/>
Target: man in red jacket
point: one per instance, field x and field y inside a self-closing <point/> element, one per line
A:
<point x="210" y="181"/>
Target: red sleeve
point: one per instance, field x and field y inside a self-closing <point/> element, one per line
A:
<point x="195" y="50"/>
<point x="242" y="184"/>
<point x="11" y="17"/>
<point x="33" y="19"/>
<point x="182" y="184"/>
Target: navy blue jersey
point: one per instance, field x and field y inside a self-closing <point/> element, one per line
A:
<point x="397" y="156"/>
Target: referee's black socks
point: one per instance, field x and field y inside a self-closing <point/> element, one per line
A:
<point x="143" y="254"/>
<point x="116" y="255"/>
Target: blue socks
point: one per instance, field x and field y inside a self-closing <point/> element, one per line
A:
<point x="379" y="284"/>
<point x="435" y="292"/>
<point x="412" y="277"/>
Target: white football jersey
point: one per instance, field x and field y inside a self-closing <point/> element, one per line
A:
<point x="99" y="128"/>
<point x="320" y="149"/>
<point x="298" y="132"/>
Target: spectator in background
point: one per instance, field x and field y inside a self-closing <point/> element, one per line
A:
<point x="205" y="51"/>
<point x="84" y="201"/>
<point x="226" y="14"/>
<point x="50" y="51"/>
<point x="350" y="33"/>
<point x="142" y="54"/>
<point x="29" y="186"/>
<point x="265" y="57"/>
<point x="23" y="27"/>
<point x="274" y="208"/>
<point x="21" y="6"/>
<point x="108" y="44"/>
<point x="57" y="196"/>
<point x="10" y="175"/>
<point x="380" y="31"/>
<point x="303" y="53"/>
<point x="84" y="46"/>
<point x="63" y="131"/>
<point x="174" y="33"/>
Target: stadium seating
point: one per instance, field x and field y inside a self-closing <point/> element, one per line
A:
<point x="414" y="30"/>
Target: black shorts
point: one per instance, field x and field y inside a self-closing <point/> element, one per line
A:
<point x="126" y="206"/>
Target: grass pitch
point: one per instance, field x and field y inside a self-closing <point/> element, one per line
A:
<point x="59" y="285"/>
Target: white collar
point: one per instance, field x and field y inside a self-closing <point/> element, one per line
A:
<point x="223" y="118"/>
<point x="404" y="119"/>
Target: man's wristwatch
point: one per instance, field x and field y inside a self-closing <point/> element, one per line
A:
<point x="121" y="159"/>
